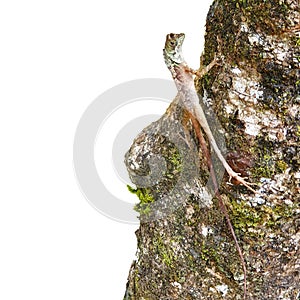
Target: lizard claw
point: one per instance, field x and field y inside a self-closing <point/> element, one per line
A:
<point x="235" y="176"/>
<point x="242" y="181"/>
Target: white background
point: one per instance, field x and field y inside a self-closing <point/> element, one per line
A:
<point x="56" y="57"/>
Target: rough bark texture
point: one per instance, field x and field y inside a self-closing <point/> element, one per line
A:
<point x="185" y="249"/>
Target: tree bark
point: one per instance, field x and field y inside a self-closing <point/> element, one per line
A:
<point x="185" y="249"/>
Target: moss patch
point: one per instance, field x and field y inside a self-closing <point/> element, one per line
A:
<point x="164" y="251"/>
<point x="145" y="198"/>
<point x="251" y="219"/>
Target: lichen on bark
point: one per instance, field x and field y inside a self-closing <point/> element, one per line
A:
<point x="185" y="249"/>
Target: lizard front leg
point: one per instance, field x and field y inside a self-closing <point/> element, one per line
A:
<point x="203" y="70"/>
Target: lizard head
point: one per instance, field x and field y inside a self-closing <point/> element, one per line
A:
<point x="173" y="48"/>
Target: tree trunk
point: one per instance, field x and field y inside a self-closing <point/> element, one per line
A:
<point x="185" y="248"/>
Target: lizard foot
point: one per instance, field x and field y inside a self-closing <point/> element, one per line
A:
<point x="217" y="61"/>
<point x="242" y="181"/>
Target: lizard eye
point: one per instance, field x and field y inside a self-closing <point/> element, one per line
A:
<point x="172" y="43"/>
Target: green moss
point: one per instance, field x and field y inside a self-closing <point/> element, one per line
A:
<point x="142" y="193"/>
<point x="266" y="164"/>
<point x="164" y="251"/>
<point x="209" y="253"/>
<point x="245" y="217"/>
<point x="298" y="131"/>
<point x="281" y="166"/>
<point x="176" y="161"/>
<point x="144" y="206"/>
<point x="265" y="167"/>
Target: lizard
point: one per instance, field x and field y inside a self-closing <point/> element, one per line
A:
<point x="183" y="78"/>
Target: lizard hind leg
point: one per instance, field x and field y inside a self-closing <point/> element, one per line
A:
<point x="240" y="179"/>
<point x="203" y="70"/>
<point x="229" y="170"/>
